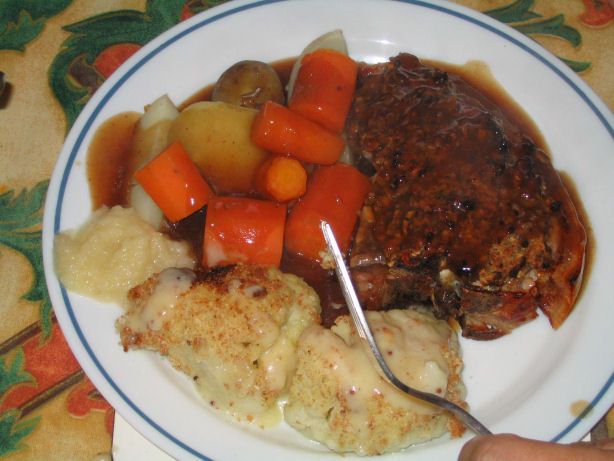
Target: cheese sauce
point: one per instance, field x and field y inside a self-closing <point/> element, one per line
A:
<point x="171" y="284"/>
<point x="412" y="347"/>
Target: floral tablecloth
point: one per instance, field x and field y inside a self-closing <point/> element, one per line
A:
<point x="55" y="54"/>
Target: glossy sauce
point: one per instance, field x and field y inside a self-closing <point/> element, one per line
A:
<point x="478" y="74"/>
<point x="109" y="160"/>
<point x="413" y="346"/>
<point x="170" y="285"/>
<point x="580" y="408"/>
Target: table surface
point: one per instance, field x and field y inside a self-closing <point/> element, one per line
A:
<point x="55" y="54"/>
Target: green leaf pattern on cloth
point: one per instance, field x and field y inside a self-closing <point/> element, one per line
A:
<point x="12" y="429"/>
<point x="73" y="77"/>
<point x="20" y="219"/>
<point x="518" y="15"/>
<point x="13" y="373"/>
<point x="21" y="21"/>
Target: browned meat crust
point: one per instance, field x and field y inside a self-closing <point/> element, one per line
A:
<point x="465" y="212"/>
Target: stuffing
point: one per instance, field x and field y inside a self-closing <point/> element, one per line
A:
<point x="337" y="397"/>
<point x="233" y="329"/>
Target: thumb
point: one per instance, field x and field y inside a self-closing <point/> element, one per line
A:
<point x="508" y="447"/>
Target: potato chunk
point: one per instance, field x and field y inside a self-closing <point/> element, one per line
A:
<point x="216" y="135"/>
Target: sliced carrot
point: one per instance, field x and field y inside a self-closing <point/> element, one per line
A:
<point x="173" y="181"/>
<point x="281" y="178"/>
<point x="243" y="230"/>
<point x="278" y="129"/>
<point x="335" y="194"/>
<point x="324" y="88"/>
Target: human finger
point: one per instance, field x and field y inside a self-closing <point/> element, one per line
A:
<point x="508" y="447"/>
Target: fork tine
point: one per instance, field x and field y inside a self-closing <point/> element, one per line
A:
<point x="364" y="331"/>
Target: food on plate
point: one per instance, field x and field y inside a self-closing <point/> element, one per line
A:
<point x="234" y="330"/>
<point x="150" y="137"/>
<point x="333" y="40"/>
<point x="114" y="251"/>
<point x="443" y="204"/>
<point x="282" y="178"/>
<point x="335" y="195"/>
<point x="465" y="212"/>
<point x="243" y="230"/>
<point x="284" y="131"/>
<point x="337" y="397"/>
<point x="249" y="84"/>
<point x="174" y="183"/>
<point x="324" y="88"/>
<point x="216" y="135"/>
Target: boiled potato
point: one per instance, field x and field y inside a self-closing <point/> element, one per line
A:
<point x="150" y="137"/>
<point x="248" y="84"/>
<point x="216" y="135"/>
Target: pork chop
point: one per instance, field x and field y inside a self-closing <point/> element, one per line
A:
<point x="465" y="213"/>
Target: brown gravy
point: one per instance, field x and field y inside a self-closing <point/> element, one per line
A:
<point x="479" y="75"/>
<point x="109" y="161"/>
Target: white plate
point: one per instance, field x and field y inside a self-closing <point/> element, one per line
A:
<point x="524" y="383"/>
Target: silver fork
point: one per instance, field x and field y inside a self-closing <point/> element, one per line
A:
<point x="365" y="333"/>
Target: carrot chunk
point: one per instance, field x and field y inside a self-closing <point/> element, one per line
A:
<point x="173" y="181"/>
<point x="278" y="129"/>
<point x="335" y="194"/>
<point x="324" y="88"/>
<point x="243" y="230"/>
<point x="281" y="178"/>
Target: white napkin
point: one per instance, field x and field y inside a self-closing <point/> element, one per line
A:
<point x="130" y="445"/>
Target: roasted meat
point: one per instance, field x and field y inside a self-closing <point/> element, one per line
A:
<point x="465" y="213"/>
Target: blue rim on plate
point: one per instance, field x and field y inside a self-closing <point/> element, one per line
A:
<point x="211" y="16"/>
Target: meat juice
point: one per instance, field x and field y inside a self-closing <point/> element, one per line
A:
<point x="109" y="173"/>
